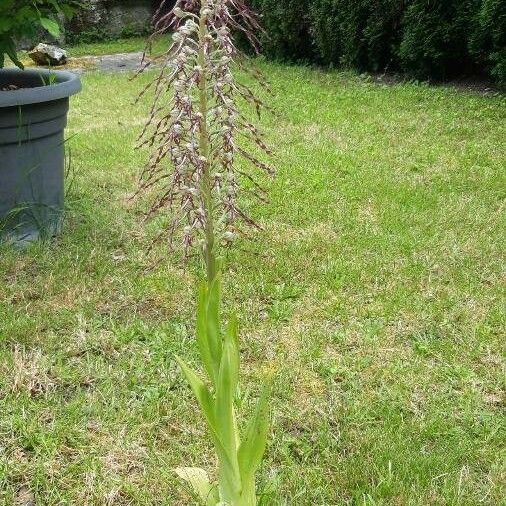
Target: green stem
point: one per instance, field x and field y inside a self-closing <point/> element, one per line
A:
<point x="206" y="186"/>
<point x="236" y="496"/>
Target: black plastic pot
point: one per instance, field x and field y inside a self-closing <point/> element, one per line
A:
<point x="32" y="152"/>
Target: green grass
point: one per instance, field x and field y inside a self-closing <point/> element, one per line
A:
<point x="129" y="45"/>
<point x="377" y="290"/>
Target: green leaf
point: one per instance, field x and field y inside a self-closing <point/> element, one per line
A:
<point x="55" y="5"/>
<point x="51" y="26"/>
<point x="232" y="341"/>
<point x="224" y="403"/>
<point x="252" y="448"/>
<point x="229" y="478"/>
<point x="201" y="392"/>
<point x="5" y="24"/>
<point x="213" y="321"/>
<point x="27" y="12"/>
<point x="202" y="335"/>
<point x="8" y="47"/>
<point x="6" y="6"/>
<point x="68" y="11"/>
<point x="199" y="480"/>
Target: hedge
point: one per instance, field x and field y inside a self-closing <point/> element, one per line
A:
<point x="435" y="38"/>
<point x="425" y="39"/>
<point x="362" y="34"/>
<point x="487" y="42"/>
<point x="287" y="23"/>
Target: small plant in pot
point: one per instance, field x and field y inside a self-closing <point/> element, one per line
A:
<point x="33" y="116"/>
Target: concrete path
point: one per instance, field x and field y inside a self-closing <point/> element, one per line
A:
<point x="121" y="62"/>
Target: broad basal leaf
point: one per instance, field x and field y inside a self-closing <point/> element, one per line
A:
<point x="199" y="481"/>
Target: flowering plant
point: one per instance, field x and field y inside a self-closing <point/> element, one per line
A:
<point x="194" y="124"/>
<point x="197" y="128"/>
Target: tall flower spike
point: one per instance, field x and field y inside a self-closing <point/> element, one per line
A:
<point x="196" y="96"/>
<point x="192" y="130"/>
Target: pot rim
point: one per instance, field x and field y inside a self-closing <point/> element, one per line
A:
<point x="65" y="85"/>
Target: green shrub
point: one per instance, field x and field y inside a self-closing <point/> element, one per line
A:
<point x="488" y="40"/>
<point x="424" y="38"/>
<point x="326" y="30"/>
<point x="382" y="33"/>
<point x="435" y="34"/>
<point x="287" y="24"/>
<point x="363" y="34"/>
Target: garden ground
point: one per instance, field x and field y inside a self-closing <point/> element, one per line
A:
<point x="376" y="290"/>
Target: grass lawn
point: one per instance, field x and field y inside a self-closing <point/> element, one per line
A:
<point x="377" y="290"/>
<point x="132" y="44"/>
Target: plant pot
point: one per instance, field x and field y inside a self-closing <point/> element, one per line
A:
<point x="32" y="152"/>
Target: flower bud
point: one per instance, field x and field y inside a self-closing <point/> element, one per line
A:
<point x="178" y="12"/>
<point x="228" y="236"/>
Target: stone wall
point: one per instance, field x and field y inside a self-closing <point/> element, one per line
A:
<point x="103" y="20"/>
<point x="109" y="19"/>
